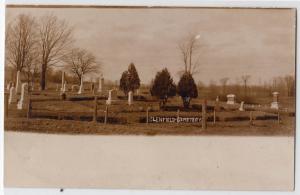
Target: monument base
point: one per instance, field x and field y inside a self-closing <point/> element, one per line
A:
<point x="275" y="105"/>
<point x="20" y="105"/>
<point x="230" y="102"/>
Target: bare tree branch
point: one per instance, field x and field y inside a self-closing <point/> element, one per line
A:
<point x="81" y="62"/>
<point x="223" y="82"/>
<point x="55" y="36"/>
<point x="189" y="49"/>
<point x="21" y="42"/>
<point x="245" y="79"/>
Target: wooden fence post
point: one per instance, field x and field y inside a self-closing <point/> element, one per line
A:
<point x="250" y="118"/>
<point x="178" y="112"/>
<point x="95" y="109"/>
<point x="204" y="114"/>
<point x="147" y="116"/>
<point x="29" y="108"/>
<point x="278" y="117"/>
<point x="214" y="116"/>
<point x="106" y="115"/>
<point x="5" y="105"/>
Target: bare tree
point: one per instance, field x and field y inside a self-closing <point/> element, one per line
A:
<point x="81" y="62"/>
<point x="55" y="36"/>
<point x="290" y="84"/>
<point x="30" y="70"/>
<point x="189" y="50"/>
<point x="223" y="82"/>
<point x="245" y="79"/>
<point x="21" y="42"/>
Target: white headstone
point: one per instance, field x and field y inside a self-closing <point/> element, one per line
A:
<point x="24" y="96"/>
<point x="230" y="99"/>
<point x="242" y="107"/>
<point x="130" y="97"/>
<point x="275" y="103"/>
<point x="32" y="86"/>
<point x="9" y="85"/>
<point x="65" y="87"/>
<point x="62" y="81"/>
<point x="12" y="95"/>
<point x="112" y="96"/>
<point x="18" y="83"/>
<point x="101" y="84"/>
<point x="81" y="86"/>
<point x="137" y="92"/>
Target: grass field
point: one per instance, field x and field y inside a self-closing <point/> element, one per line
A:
<point x="74" y="115"/>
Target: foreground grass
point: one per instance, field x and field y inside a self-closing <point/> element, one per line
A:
<point x="259" y="128"/>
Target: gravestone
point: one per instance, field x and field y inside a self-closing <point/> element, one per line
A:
<point x="32" y="86"/>
<point x="137" y="92"/>
<point x="24" y="96"/>
<point x="241" y="108"/>
<point x="81" y="86"/>
<point x="230" y="99"/>
<point x="9" y="85"/>
<point x="65" y="87"/>
<point x="130" y="97"/>
<point x="112" y="96"/>
<point x="62" y="81"/>
<point x="12" y="95"/>
<point x="101" y="85"/>
<point x="275" y="103"/>
<point x="217" y="104"/>
<point x="18" y="83"/>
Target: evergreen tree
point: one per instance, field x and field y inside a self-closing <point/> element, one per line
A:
<point x="163" y="87"/>
<point x="187" y="89"/>
<point x="133" y="78"/>
<point x="124" y="83"/>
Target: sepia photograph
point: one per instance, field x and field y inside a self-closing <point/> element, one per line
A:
<point x="119" y="97"/>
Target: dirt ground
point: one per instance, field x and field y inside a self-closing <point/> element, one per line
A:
<point x="263" y="128"/>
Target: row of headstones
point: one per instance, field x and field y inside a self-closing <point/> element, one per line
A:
<point x="64" y="89"/>
<point x="231" y="100"/>
<point x="14" y="91"/>
<point x="13" y="96"/>
<point x="17" y="85"/>
<point x="112" y="94"/>
<point x="112" y="97"/>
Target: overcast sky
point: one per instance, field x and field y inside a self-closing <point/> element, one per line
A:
<point x="234" y="42"/>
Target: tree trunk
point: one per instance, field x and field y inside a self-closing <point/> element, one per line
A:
<point x="186" y="102"/>
<point x="79" y="78"/>
<point x="43" y="77"/>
